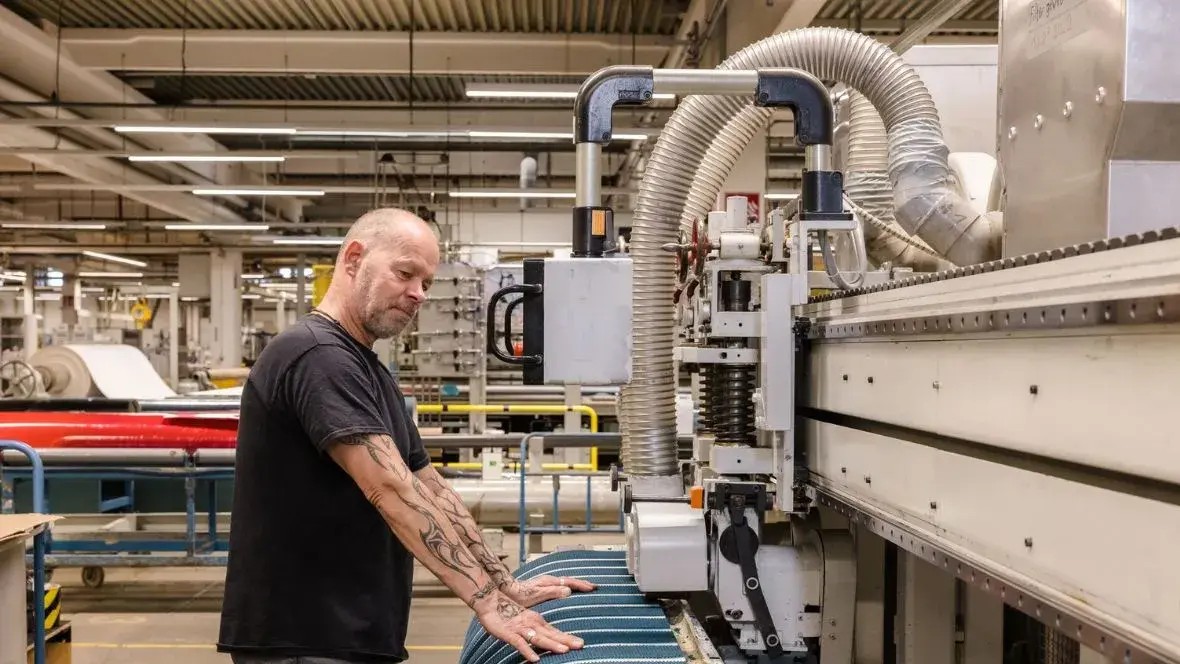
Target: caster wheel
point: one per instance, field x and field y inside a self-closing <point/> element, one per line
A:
<point x="93" y="577"/>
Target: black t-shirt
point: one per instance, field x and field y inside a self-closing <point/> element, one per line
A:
<point x="313" y="568"/>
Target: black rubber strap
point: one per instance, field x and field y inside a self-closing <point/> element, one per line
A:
<point x="762" y="619"/>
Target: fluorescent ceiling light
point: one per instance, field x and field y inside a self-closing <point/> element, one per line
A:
<point x="112" y="275"/>
<point x="216" y="227"/>
<point x="541" y="134"/>
<point x="323" y="241"/>
<point x="177" y="129"/>
<point x="251" y="296"/>
<point x="781" y="197"/>
<point x="258" y="192"/>
<point x="253" y="276"/>
<point x="54" y="226"/>
<point x="179" y="158"/>
<point x="114" y="259"/>
<point x="511" y="194"/>
<point x="524" y="91"/>
<point x="379" y="134"/>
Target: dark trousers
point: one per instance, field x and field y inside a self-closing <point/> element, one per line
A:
<point x="273" y="659"/>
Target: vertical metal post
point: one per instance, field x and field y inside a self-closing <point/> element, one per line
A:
<point x="588" y="176"/>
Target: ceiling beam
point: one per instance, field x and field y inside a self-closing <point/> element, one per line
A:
<point x="800" y="14"/>
<point x="891" y="26"/>
<point x="340" y="52"/>
<point x="91" y="172"/>
<point x="32" y="58"/>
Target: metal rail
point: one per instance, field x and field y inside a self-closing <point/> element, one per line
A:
<point x="521" y="409"/>
<point x="557" y="528"/>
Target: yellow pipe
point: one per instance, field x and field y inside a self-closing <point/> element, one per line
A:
<point x="521" y="409"/>
<point x="513" y="467"/>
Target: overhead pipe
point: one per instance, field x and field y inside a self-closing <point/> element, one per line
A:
<point x="927" y="206"/>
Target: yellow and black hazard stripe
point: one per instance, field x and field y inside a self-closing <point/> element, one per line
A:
<point x="52" y="606"/>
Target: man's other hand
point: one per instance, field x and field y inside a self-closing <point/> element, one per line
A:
<point x="521" y="628"/>
<point x="544" y="588"/>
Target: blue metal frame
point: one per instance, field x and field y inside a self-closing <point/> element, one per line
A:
<point x="522" y="509"/>
<point x="198" y="549"/>
<point x="39" y="545"/>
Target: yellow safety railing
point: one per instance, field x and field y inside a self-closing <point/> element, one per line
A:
<point x="518" y="409"/>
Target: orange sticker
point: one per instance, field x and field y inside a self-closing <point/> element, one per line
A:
<point x="598" y="222"/>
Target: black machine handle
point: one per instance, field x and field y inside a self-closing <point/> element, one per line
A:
<point x="493" y="341"/>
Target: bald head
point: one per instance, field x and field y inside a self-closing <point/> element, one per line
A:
<point x="385" y="266"/>
<point x="387" y="228"/>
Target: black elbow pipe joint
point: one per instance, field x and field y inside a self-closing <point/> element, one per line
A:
<point x="815" y="120"/>
<point x="625" y="85"/>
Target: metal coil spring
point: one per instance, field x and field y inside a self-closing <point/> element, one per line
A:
<point x="731" y="402"/>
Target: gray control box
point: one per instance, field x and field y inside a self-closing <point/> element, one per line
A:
<point x="587" y="321"/>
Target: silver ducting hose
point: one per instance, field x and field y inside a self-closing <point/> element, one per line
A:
<point x="926" y="205"/>
<point x="866" y="181"/>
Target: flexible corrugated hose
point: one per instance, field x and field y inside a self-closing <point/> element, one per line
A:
<point x="866" y="181"/>
<point x="679" y="183"/>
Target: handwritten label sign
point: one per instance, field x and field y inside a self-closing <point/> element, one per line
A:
<point x="1051" y="23"/>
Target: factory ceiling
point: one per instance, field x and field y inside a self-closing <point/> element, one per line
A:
<point x="329" y="106"/>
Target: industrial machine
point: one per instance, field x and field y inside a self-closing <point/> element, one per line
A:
<point x="884" y="459"/>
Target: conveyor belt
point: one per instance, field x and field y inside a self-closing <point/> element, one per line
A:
<point x="618" y="625"/>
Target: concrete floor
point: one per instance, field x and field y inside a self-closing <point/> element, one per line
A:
<point x="146" y="615"/>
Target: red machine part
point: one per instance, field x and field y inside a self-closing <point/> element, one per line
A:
<point x="188" y="431"/>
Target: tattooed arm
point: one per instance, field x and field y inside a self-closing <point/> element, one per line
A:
<point x="414" y="514"/>
<point x="410" y="509"/>
<point x="528" y="594"/>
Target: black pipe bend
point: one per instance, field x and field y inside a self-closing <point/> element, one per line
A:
<point x="805" y="95"/>
<point x="628" y="85"/>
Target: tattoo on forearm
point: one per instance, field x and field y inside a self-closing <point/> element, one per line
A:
<point x="487" y="590"/>
<point x="452" y="505"/>
<point x="454" y="554"/>
<point x="446" y="546"/>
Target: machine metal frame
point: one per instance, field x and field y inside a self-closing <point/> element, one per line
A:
<point x="901" y="405"/>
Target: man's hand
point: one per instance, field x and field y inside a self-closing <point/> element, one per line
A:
<point x="544" y="588"/>
<point x="521" y="628"/>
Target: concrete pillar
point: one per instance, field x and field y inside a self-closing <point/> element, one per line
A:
<point x="280" y="315"/>
<point x="225" y="310"/>
<point x="30" y="313"/>
<point x="301" y="302"/>
<point x="71" y="301"/>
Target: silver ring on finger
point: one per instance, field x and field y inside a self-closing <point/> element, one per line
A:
<point x="530" y="635"/>
<point x="562" y="581"/>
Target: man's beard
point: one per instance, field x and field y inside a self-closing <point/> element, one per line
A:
<point x="379" y="324"/>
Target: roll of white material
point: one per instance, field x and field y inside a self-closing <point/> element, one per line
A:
<point x="100" y="370"/>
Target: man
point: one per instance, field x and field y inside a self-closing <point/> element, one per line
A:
<point x="334" y="494"/>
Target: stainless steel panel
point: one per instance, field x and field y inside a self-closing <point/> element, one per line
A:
<point x="1087" y="98"/>
<point x="587" y="321"/>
